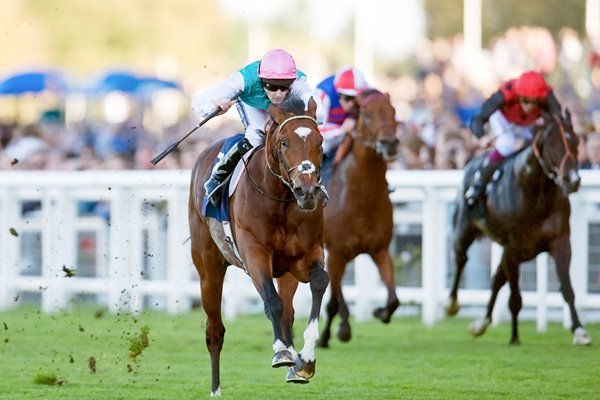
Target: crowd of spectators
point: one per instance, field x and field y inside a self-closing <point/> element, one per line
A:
<point x="434" y="104"/>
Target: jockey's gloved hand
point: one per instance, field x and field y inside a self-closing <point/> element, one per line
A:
<point x="477" y="128"/>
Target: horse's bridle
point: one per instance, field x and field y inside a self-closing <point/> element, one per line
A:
<point x="304" y="168"/>
<point x="552" y="172"/>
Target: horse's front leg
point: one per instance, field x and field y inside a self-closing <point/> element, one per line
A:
<point x="336" y="266"/>
<point x="287" y="286"/>
<point x="560" y="250"/>
<point x="285" y="354"/>
<point x="304" y="369"/>
<point x="464" y="235"/>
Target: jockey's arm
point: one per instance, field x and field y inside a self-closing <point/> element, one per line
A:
<point x="219" y="95"/>
<point x="488" y="107"/>
<point x="306" y="92"/>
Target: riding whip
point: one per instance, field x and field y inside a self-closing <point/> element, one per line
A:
<point x="242" y="112"/>
<point x="172" y="147"/>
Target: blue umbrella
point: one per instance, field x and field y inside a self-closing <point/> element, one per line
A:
<point x="129" y="82"/>
<point x="123" y="81"/>
<point x="32" y="82"/>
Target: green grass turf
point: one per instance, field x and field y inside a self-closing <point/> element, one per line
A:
<point x="48" y="356"/>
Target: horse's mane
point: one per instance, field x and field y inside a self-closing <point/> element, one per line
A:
<point x="369" y="92"/>
<point x="293" y="103"/>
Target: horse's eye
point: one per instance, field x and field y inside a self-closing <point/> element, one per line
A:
<point x="283" y="143"/>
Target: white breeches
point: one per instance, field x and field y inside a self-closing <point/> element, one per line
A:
<point x="256" y="124"/>
<point x="506" y="133"/>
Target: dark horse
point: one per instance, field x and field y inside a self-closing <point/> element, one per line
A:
<point x="276" y="218"/>
<point x="358" y="216"/>
<point x="527" y="212"/>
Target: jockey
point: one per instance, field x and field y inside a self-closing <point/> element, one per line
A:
<point x="511" y="113"/>
<point x="261" y="84"/>
<point x="338" y="94"/>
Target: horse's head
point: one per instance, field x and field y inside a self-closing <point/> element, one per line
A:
<point x="376" y="125"/>
<point x="294" y="150"/>
<point x="555" y="146"/>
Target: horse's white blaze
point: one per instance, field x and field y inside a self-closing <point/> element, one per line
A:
<point x="279" y="346"/>
<point x="303" y="132"/>
<point x="307" y="167"/>
<point x="311" y="334"/>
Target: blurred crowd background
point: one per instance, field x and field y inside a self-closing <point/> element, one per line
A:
<point x="113" y="90"/>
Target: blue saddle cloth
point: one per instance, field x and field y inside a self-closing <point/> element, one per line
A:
<point x="221" y="213"/>
<point x="326" y="166"/>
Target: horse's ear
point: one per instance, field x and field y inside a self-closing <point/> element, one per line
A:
<point x="312" y="108"/>
<point x="567" y="114"/>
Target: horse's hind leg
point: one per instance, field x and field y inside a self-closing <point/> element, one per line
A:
<point x="386" y="270"/>
<point x="465" y="234"/>
<point x="212" y="274"/>
<point x="561" y="253"/>
<point x="478" y="327"/>
<point x="306" y="361"/>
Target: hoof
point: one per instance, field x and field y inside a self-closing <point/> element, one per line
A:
<point x="452" y="308"/>
<point x="479" y="326"/>
<point x="283" y="358"/>
<point x="344" y="334"/>
<point x="515" y="342"/>
<point x="302" y="371"/>
<point x="581" y="337"/>
<point x="323" y="344"/>
<point x="384" y="314"/>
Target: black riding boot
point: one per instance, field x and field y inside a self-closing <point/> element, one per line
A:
<point x="223" y="169"/>
<point x="480" y="181"/>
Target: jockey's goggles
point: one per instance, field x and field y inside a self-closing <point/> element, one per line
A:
<point x="273" y="88"/>
<point x="345" y="97"/>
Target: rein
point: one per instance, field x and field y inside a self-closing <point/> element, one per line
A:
<point x="304" y="167"/>
<point x="552" y="172"/>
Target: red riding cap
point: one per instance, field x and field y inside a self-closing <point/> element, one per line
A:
<point x="533" y="85"/>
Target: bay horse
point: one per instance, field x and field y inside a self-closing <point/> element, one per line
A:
<point x="526" y="211"/>
<point x="276" y="220"/>
<point x="358" y="216"/>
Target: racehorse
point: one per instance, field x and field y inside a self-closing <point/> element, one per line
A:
<point x="276" y="219"/>
<point x="527" y="212"/>
<point x="358" y="216"/>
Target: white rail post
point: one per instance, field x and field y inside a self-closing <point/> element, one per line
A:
<point x="118" y="263"/>
<point x="541" y="275"/>
<point x="136" y="224"/>
<point x="579" y="253"/>
<point x="178" y="252"/>
<point x="434" y="237"/>
<point x="9" y="215"/>
<point x="366" y="280"/>
<point x="58" y="247"/>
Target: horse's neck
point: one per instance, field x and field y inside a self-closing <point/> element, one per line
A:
<point x="263" y="172"/>
<point x="366" y="157"/>
<point x="529" y="172"/>
<point x="363" y="165"/>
